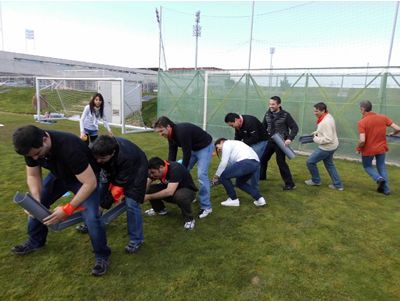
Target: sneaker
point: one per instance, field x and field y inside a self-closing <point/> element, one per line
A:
<point x="151" y="212"/>
<point x="100" y="267"/>
<point x="132" y="247"/>
<point x="231" y="202"/>
<point x="189" y="225"/>
<point x="381" y="185"/>
<point x="288" y="187"/>
<point x="309" y="182"/>
<point x="24" y="249"/>
<point x="82" y="228"/>
<point x="260" y="202"/>
<point x="331" y="186"/>
<point x="204" y="213"/>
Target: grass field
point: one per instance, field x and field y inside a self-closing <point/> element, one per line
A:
<point x="308" y="244"/>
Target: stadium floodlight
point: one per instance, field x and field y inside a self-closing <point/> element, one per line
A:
<point x="197" y="34"/>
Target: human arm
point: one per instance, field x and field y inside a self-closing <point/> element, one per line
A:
<point x="107" y="126"/>
<point x="294" y="129"/>
<point x="84" y="116"/>
<point x="34" y="181"/>
<point x="396" y="129"/>
<point x="89" y="183"/>
<point x="167" y="192"/>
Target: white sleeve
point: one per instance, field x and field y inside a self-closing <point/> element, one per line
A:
<point x="105" y="123"/>
<point x="226" y="153"/>
<point x="83" y="117"/>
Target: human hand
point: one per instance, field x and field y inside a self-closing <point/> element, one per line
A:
<point x="57" y="216"/>
<point x="288" y="142"/>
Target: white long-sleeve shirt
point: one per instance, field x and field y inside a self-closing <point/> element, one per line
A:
<point x="91" y="121"/>
<point x="234" y="151"/>
<point x="325" y="135"/>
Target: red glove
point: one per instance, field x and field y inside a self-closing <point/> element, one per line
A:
<point x="116" y="192"/>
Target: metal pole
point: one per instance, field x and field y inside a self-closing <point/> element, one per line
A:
<point x="251" y="35"/>
<point x="393" y="32"/>
<point x="197" y="34"/>
<point x="271" y="52"/>
<point x="162" y="43"/>
<point x="159" y="40"/>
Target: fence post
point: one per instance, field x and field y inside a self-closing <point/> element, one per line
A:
<point x="304" y="103"/>
<point x="205" y="100"/>
<point x="382" y="93"/>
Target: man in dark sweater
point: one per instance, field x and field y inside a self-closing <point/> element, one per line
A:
<point x="249" y="130"/>
<point x="176" y="186"/>
<point x="126" y="166"/>
<point x="197" y="147"/>
<point x="72" y="167"/>
<point x="277" y="120"/>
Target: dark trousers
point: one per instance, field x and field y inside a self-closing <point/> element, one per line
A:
<point x="183" y="197"/>
<point x="280" y="160"/>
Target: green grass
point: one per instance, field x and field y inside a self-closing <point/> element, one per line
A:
<point x="308" y="244"/>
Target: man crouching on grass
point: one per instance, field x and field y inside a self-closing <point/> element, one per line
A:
<point x="72" y="168"/>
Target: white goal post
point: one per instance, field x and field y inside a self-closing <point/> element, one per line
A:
<point x="66" y="97"/>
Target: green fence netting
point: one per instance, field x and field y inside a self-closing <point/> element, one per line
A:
<point x="205" y="97"/>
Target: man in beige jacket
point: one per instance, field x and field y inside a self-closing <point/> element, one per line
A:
<point x="326" y="137"/>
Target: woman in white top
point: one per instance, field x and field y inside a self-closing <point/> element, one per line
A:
<point x="89" y="122"/>
<point x="238" y="161"/>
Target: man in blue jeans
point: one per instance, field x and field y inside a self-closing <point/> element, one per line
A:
<point x="241" y="162"/>
<point x="326" y="137"/>
<point x="126" y="166"/>
<point x="72" y="168"/>
<point x="372" y="144"/>
<point x="196" y="147"/>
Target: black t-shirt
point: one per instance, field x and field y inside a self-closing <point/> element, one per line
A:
<point x="69" y="156"/>
<point x="179" y="174"/>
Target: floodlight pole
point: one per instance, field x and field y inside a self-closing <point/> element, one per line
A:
<point x="197" y="34"/>
<point x="159" y="20"/>
<point x="393" y="33"/>
<point x="1" y="28"/>
<point x="271" y="52"/>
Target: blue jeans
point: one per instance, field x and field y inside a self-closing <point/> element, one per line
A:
<point x="327" y="157"/>
<point x="259" y="148"/>
<point x="203" y="159"/>
<point x="379" y="172"/>
<point x="242" y="171"/>
<point x="134" y="221"/>
<point x="54" y="188"/>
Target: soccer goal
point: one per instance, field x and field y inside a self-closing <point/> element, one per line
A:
<point x="65" y="98"/>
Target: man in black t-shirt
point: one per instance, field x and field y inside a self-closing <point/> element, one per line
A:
<point x="72" y="168"/>
<point x="197" y="147"/>
<point x="176" y="186"/>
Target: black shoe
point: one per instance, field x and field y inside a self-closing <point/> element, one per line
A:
<point x="82" y="228"/>
<point x="132" y="247"/>
<point x="100" y="267"/>
<point x="25" y="248"/>
<point x="288" y="187"/>
<point x="381" y="185"/>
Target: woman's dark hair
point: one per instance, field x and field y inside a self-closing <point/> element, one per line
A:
<point x="91" y="104"/>
<point x="163" y="122"/>
<point x="27" y="137"/>
<point x="156" y="163"/>
<point x="104" y="145"/>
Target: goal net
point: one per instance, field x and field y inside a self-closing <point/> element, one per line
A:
<point x="65" y="98"/>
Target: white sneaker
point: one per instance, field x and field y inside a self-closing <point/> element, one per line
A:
<point x="189" y="225"/>
<point x="260" y="202"/>
<point x="231" y="203"/>
<point x="204" y="213"/>
<point x="151" y="212"/>
<point x="331" y="186"/>
<point x="309" y="182"/>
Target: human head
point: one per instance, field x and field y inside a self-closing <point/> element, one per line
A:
<point x="31" y="141"/>
<point x="218" y="145"/>
<point x="233" y="120"/>
<point x="274" y="103"/>
<point x="104" y="148"/>
<point x="163" y="126"/>
<point x="365" y="106"/>
<point x="320" y="109"/>
<point x="156" y="167"/>
<point x="97" y="101"/>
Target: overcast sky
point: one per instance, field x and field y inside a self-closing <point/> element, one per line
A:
<point x="304" y="34"/>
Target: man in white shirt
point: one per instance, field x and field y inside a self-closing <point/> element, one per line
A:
<point x="238" y="161"/>
<point x="326" y="137"/>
